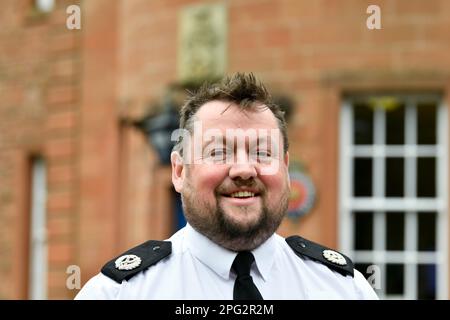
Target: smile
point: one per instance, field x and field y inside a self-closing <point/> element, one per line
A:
<point x="242" y="197"/>
<point x="242" y="194"/>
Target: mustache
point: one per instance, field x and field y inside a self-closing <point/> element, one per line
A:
<point x="227" y="187"/>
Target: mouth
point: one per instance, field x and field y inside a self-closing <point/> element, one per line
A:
<point x="242" y="197"/>
<point x="241" y="194"/>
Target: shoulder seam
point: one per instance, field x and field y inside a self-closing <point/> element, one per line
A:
<point x="149" y="253"/>
<point x="331" y="258"/>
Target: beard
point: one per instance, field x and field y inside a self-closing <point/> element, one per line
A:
<point x="212" y="221"/>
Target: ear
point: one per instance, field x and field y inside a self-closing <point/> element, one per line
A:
<point x="286" y="159"/>
<point x="177" y="171"/>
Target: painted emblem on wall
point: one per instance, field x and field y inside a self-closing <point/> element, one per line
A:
<point x="303" y="192"/>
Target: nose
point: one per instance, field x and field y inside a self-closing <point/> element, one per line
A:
<point x="244" y="171"/>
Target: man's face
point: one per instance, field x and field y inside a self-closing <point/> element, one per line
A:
<point x="235" y="187"/>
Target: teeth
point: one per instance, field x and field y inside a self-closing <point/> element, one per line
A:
<point x="242" y="194"/>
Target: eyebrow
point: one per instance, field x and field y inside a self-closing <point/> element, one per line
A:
<point x="266" y="139"/>
<point x="213" y="139"/>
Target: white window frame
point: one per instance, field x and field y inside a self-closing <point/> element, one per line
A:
<point x="38" y="232"/>
<point x="410" y="257"/>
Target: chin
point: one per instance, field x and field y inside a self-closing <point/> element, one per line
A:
<point x="243" y="218"/>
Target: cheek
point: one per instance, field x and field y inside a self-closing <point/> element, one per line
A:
<point x="206" y="178"/>
<point x="275" y="183"/>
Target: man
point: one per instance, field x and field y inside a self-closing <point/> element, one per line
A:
<point x="231" y="167"/>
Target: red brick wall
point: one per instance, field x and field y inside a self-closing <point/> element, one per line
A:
<point x="64" y="92"/>
<point x="312" y="51"/>
<point x="297" y="47"/>
<point x="39" y="89"/>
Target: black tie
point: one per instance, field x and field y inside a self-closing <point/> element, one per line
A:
<point x="244" y="288"/>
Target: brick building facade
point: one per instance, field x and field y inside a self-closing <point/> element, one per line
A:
<point x="65" y="93"/>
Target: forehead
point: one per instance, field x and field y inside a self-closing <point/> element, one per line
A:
<point x="223" y="115"/>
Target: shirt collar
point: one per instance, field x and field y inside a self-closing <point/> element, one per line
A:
<point x="210" y="253"/>
<point x="220" y="259"/>
<point x="265" y="256"/>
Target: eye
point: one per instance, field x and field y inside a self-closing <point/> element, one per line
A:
<point x="218" y="154"/>
<point x="263" y="155"/>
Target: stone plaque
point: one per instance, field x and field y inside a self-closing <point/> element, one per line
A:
<point x="202" y="42"/>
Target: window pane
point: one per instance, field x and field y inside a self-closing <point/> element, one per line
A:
<point x="38" y="235"/>
<point x="427" y="231"/>
<point x="362" y="178"/>
<point x="395" y="125"/>
<point x="426" y="177"/>
<point x="395" y="230"/>
<point x="363" y="124"/>
<point x="426" y="123"/>
<point x="362" y="267"/>
<point x="363" y="230"/>
<point x="394" y="279"/>
<point x="394" y="177"/>
<point x="427" y="281"/>
<point x="372" y="273"/>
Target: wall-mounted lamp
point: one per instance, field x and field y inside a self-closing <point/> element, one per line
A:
<point x="158" y="129"/>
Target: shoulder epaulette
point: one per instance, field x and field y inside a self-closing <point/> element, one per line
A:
<point x="137" y="259"/>
<point x="331" y="258"/>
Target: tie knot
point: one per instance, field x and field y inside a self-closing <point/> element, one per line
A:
<point x="242" y="263"/>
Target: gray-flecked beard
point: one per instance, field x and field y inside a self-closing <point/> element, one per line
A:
<point x="215" y="225"/>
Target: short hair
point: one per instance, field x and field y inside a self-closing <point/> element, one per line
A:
<point x="241" y="89"/>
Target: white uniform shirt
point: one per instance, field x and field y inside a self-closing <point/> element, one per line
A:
<point x="200" y="269"/>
